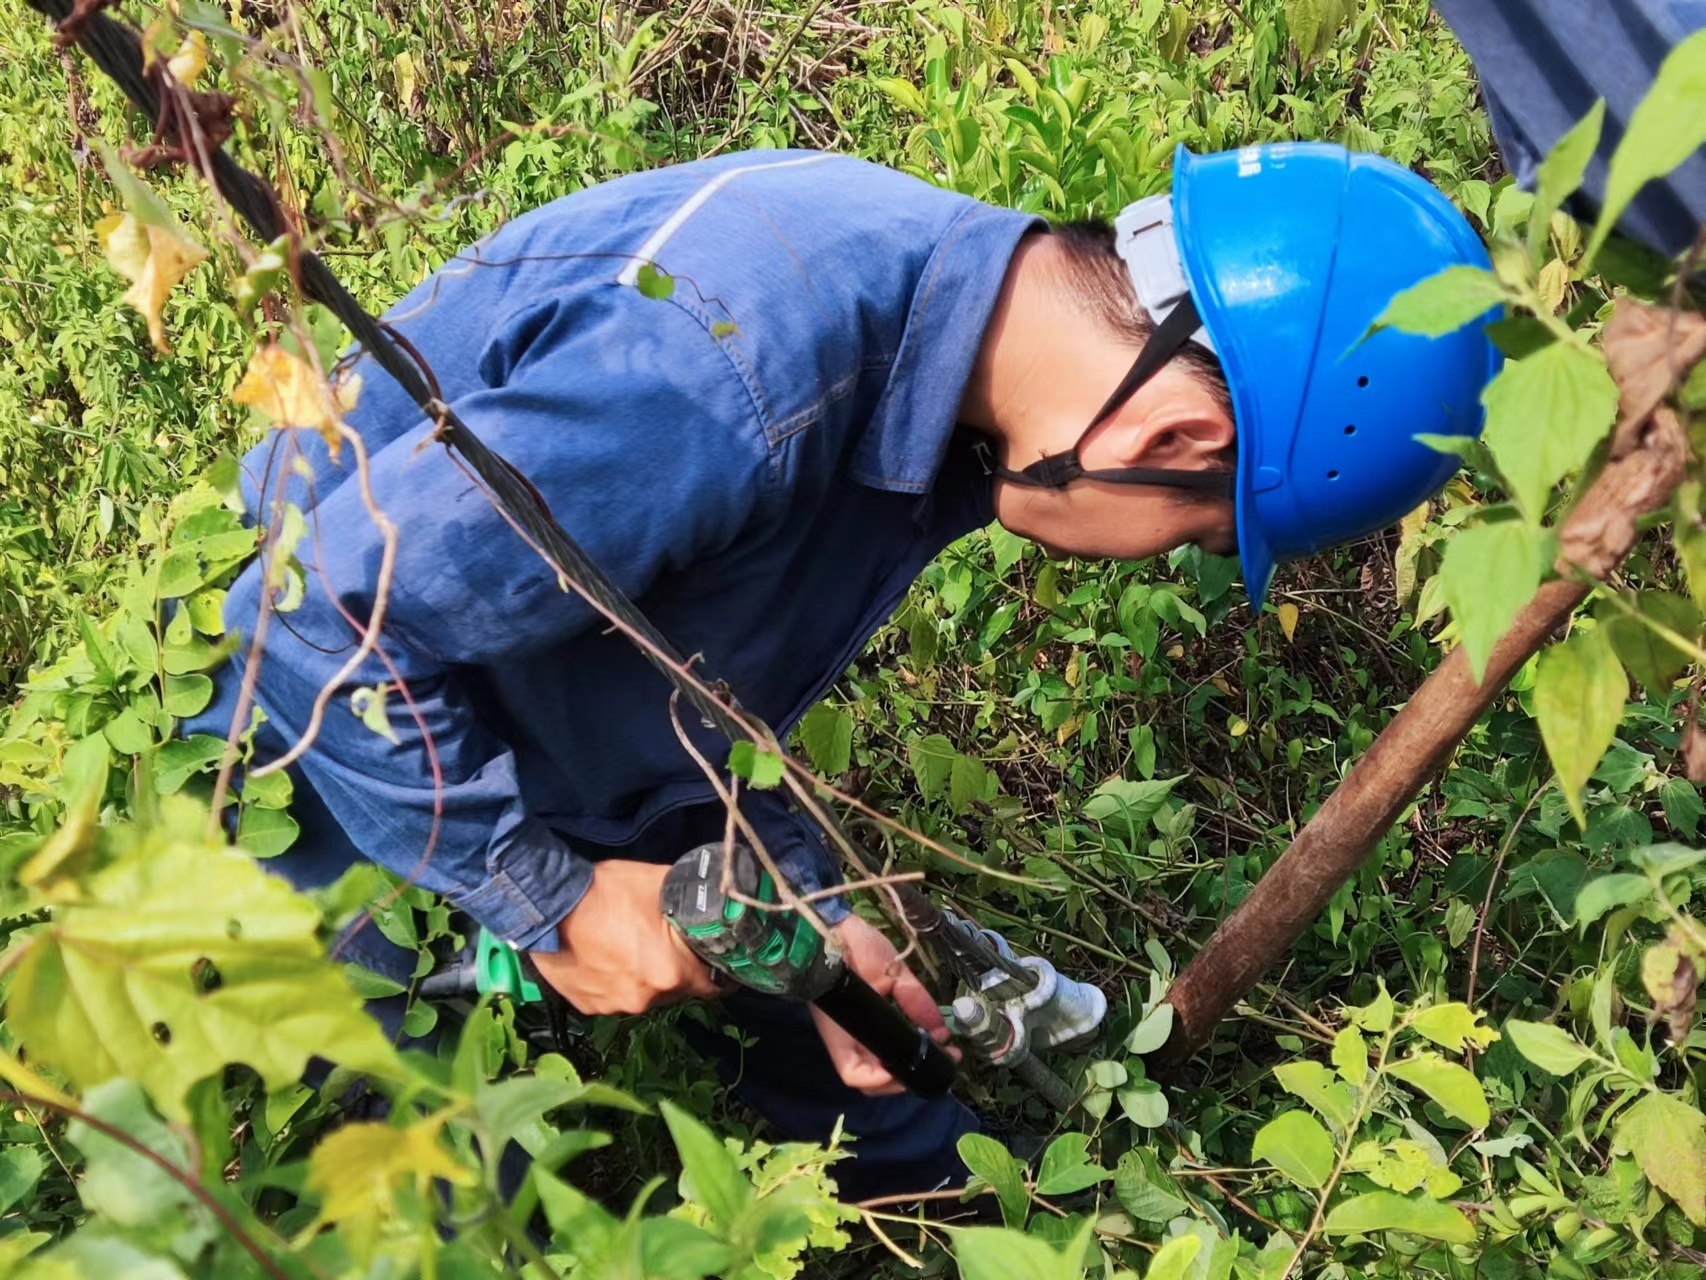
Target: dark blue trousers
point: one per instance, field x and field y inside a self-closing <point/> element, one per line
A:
<point x="898" y="1144"/>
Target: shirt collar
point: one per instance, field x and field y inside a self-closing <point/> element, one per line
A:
<point x="903" y="447"/>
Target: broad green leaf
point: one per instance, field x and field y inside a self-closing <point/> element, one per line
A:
<point x="1066" y="1167"/>
<point x="1350" y="1056"/>
<point x="20" y="1169"/>
<point x="176" y="760"/>
<point x="1296" y="1144"/>
<point x="671" y="1249"/>
<point x="763" y="769"/>
<point x="1667" y="1137"/>
<point x="1389" y="1211"/>
<point x="1652" y="659"/>
<point x="966" y="782"/>
<point x="1442" y="303"/>
<point x="932" y="760"/>
<point x="1450" y="1025"/>
<point x="266" y="833"/>
<point x="1545" y="414"/>
<point x="1128" y="807"/>
<point x="826" y="733"/>
<point x="1666" y="127"/>
<point x="187" y="695"/>
<point x="127" y="1188"/>
<point x="709" y="1175"/>
<point x="1172" y="1261"/>
<point x="1144" y="1104"/>
<point x="115" y="984"/>
<point x="998" y="1253"/>
<point x="1455" y="1088"/>
<point x="1603" y="893"/>
<point x="1152" y="1032"/>
<point x="1144" y="1190"/>
<point x="1561" y="172"/>
<point x="996" y="1165"/>
<point x="1548" y="1047"/>
<point x="1580" y="690"/>
<point x="1667" y="859"/>
<point x="1328" y="1097"/>
<point x="1489" y="572"/>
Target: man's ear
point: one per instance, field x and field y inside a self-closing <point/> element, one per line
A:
<point x="1180" y="436"/>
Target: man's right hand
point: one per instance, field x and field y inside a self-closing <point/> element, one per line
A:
<point x="619" y="954"/>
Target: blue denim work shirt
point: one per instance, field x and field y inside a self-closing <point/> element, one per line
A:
<point x="764" y="460"/>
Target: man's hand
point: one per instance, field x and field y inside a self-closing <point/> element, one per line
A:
<point x="619" y="954"/>
<point x="872" y="956"/>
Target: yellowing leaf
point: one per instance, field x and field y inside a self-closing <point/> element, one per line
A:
<point x="285" y="388"/>
<point x="190" y="60"/>
<point x="1388" y="1211"/>
<point x="1288" y="620"/>
<point x="180" y="958"/>
<point x="154" y="258"/>
<point x="1667" y="1137"/>
<point x="1455" y="1088"/>
<point x="1449" y="1025"/>
<point x="359" y="1169"/>
<point x="1350" y="1056"/>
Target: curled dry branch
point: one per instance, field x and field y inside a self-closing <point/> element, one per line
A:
<point x="1648" y="459"/>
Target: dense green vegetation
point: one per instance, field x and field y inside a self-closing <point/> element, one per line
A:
<point x="1125" y="738"/>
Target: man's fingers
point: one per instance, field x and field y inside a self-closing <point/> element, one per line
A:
<point x="854" y="1063"/>
<point x="918" y="1005"/>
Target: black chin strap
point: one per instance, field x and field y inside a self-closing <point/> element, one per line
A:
<point x="1058" y="470"/>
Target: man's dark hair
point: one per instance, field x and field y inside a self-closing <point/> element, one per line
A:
<point x="1106" y="289"/>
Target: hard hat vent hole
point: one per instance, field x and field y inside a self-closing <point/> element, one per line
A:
<point x="1351" y="430"/>
<point x="1362" y="381"/>
<point x="1332" y="475"/>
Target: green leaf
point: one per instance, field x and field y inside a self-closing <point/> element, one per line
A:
<point x="997" y="1253"/>
<point x="1603" y="893"/>
<point x="826" y="733"/>
<point x="1667" y="1137"/>
<point x="127" y="1188"/>
<point x="1561" y="173"/>
<point x="932" y="760"/>
<point x="1653" y="660"/>
<point x="1489" y="572"/>
<point x="1545" y="414"/>
<point x="1450" y="1025"/>
<point x="1442" y="303"/>
<point x="114" y="986"/>
<point x="1152" y="1032"/>
<point x="1128" y="807"/>
<point x="762" y="769"/>
<point x="1548" y="1047"/>
<point x="709" y="1175"/>
<point x="996" y="1165"/>
<point x="1144" y="1190"/>
<point x="671" y="1249"/>
<point x="1580" y="690"/>
<point x="1144" y="1104"/>
<point x="1667" y="859"/>
<point x="1295" y="1143"/>
<point x="654" y="283"/>
<point x="1666" y="127"/>
<point x="268" y="791"/>
<point x="1389" y="1211"/>
<point x="1066" y="1167"/>
<point x="20" y="1169"/>
<point x="266" y="833"/>
<point x="128" y="733"/>
<point x="187" y="695"/>
<point x="1683" y="809"/>
<point x="1350" y="1056"/>
<point x="176" y="760"/>
<point x="1172" y="1261"/>
<point x="1312" y="1082"/>
<point x="1455" y="1088"/>
<point x="965" y="782"/>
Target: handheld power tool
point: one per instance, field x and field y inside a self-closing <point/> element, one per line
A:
<point x="746" y="936"/>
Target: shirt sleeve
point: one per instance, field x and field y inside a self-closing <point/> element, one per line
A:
<point x="628" y="417"/>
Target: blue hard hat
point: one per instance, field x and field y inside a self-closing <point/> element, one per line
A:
<point x="1290" y="252"/>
